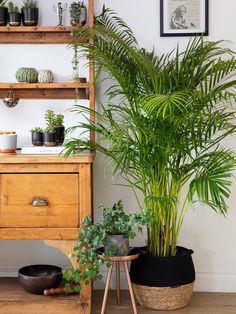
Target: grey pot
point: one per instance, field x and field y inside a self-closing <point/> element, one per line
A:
<point x="117" y="244"/>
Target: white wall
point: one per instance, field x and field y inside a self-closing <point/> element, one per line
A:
<point x="209" y="235"/>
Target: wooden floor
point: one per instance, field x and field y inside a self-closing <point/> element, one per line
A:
<point x="201" y="303"/>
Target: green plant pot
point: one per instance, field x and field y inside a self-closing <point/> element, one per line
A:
<point x="116" y="245"/>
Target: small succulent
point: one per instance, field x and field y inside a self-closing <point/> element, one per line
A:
<point x="12" y="8"/>
<point x="53" y="120"/>
<point x="37" y="129"/>
<point x="30" y="4"/>
<point x="3" y="3"/>
<point x="49" y="129"/>
<point x="58" y="120"/>
<point x="50" y="118"/>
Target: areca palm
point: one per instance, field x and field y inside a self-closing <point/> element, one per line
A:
<point x="164" y="123"/>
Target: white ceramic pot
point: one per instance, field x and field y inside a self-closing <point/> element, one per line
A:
<point x="8" y="142"/>
<point x="45" y="76"/>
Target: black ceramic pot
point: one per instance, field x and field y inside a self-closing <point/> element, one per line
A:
<point x="60" y="135"/>
<point x="30" y="16"/>
<point x="3" y="16"/>
<point x="14" y="19"/>
<point x="49" y="139"/>
<point x="37" y="138"/>
<point x="172" y="276"/>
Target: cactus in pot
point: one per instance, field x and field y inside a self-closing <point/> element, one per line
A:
<point x="14" y="15"/>
<point x="30" y="12"/>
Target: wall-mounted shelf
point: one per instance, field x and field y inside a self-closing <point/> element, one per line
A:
<point x="46" y="91"/>
<point x="37" y="35"/>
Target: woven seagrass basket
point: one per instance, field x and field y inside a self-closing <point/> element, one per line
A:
<point x="163" y="298"/>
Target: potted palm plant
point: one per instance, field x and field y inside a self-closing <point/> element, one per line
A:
<point x="163" y="128"/>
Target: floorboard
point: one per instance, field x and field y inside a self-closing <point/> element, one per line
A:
<point x="201" y="303"/>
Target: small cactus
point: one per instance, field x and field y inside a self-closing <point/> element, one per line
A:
<point x="11" y="8"/>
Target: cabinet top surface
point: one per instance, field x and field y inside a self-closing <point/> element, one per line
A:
<point x="18" y="158"/>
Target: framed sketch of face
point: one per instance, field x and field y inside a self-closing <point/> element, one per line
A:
<point x="183" y="17"/>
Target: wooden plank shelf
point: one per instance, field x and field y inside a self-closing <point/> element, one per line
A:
<point x="46" y="91"/>
<point x="38" y="35"/>
<point x="15" y="300"/>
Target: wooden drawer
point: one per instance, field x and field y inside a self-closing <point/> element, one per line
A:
<point x="18" y="191"/>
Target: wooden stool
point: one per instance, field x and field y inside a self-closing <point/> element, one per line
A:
<point x="117" y="260"/>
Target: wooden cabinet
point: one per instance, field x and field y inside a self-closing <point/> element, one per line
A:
<point x="44" y="197"/>
<point x="39" y="200"/>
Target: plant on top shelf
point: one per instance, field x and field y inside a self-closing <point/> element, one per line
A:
<point x="78" y="13"/>
<point x="163" y="128"/>
<point x="3" y="13"/>
<point x="113" y="232"/>
<point x="14" y="15"/>
<point x="30" y="12"/>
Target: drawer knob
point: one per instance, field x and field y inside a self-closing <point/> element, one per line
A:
<point x="39" y="201"/>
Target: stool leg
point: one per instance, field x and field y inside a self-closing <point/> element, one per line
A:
<point x="104" y="302"/>
<point x="130" y="287"/>
<point x="118" y="282"/>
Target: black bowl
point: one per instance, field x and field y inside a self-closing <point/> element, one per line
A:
<point x="36" y="278"/>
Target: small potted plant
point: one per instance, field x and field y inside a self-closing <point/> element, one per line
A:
<point x="113" y="232"/>
<point x="59" y="128"/>
<point x="14" y="15"/>
<point x="55" y="130"/>
<point x="30" y="12"/>
<point x="78" y="14"/>
<point x="37" y="136"/>
<point x="49" y="134"/>
<point x="3" y="13"/>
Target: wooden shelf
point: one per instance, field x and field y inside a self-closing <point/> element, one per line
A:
<point x="46" y="91"/>
<point x="14" y="299"/>
<point x="37" y="35"/>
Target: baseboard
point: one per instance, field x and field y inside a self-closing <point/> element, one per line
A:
<point x="8" y="272"/>
<point x="206" y="282"/>
<point x="215" y="282"/>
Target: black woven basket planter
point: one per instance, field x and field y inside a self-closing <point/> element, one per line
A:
<point x="163" y="283"/>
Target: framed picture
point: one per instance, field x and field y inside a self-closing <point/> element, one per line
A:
<point x="183" y="17"/>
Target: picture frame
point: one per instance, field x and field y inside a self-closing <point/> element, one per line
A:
<point x="184" y="17"/>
